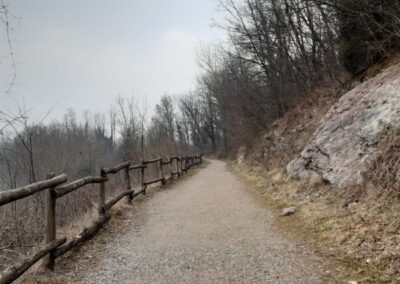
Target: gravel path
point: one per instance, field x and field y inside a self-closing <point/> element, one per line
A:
<point x="204" y="229"/>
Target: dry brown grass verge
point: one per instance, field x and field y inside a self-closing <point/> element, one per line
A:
<point x="357" y="232"/>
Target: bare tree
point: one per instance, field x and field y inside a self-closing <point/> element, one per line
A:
<point x="113" y="121"/>
<point x="165" y="116"/>
<point x="128" y="121"/>
<point x="143" y="112"/>
<point x="5" y="18"/>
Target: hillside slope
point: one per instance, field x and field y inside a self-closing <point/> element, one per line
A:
<point x="348" y="135"/>
<point x="349" y="202"/>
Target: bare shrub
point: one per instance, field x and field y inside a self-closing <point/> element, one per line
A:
<point x="383" y="174"/>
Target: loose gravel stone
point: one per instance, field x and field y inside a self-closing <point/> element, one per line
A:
<point x="204" y="229"/>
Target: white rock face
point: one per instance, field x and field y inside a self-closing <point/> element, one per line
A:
<point x="349" y="133"/>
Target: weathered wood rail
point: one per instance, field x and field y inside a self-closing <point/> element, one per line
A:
<point x="56" y="187"/>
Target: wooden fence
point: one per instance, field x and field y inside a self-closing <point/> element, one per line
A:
<point x="56" y="187"/>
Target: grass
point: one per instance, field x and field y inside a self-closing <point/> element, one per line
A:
<point x="380" y="67"/>
<point x="358" y="235"/>
<point x="356" y="227"/>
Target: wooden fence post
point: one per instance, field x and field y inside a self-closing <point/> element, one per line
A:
<point x="183" y="164"/>
<point x="170" y="167"/>
<point x="167" y="166"/>
<point x="50" y="224"/>
<point x="127" y="178"/>
<point x="142" y="176"/>
<point x="161" y="171"/>
<point x="102" y="194"/>
<point x="180" y="166"/>
<point x="177" y="166"/>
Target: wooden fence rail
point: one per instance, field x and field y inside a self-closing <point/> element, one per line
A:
<point x="56" y="187"/>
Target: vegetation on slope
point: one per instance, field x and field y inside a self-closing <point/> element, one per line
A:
<point x="357" y="225"/>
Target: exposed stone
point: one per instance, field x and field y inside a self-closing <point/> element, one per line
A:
<point x="349" y="133"/>
<point x="289" y="211"/>
<point x="241" y="156"/>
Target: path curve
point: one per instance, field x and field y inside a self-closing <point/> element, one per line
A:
<point x="205" y="229"/>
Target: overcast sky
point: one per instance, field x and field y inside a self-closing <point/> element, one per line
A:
<point x="82" y="54"/>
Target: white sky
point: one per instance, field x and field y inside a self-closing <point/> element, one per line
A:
<point x="82" y="54"/>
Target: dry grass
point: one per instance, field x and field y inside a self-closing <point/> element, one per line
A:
<point x="357" y="226"/>
<point x="289" y="135"/>
<point x="358" y="232"/>
<point x="384" y="169"/>
<point x="379" y="68"/>
<point x="22" y="222"/>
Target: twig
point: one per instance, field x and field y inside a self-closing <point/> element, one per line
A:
<point x="6" y="22"/>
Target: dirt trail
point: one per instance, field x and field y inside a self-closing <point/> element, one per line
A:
<point x="204" y="229"/>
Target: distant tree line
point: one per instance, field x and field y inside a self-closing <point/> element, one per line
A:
<point x="277" y="52"/>
<point x="80" y="145"/>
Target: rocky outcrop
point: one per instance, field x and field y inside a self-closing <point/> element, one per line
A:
<point x="349" y="133"/>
